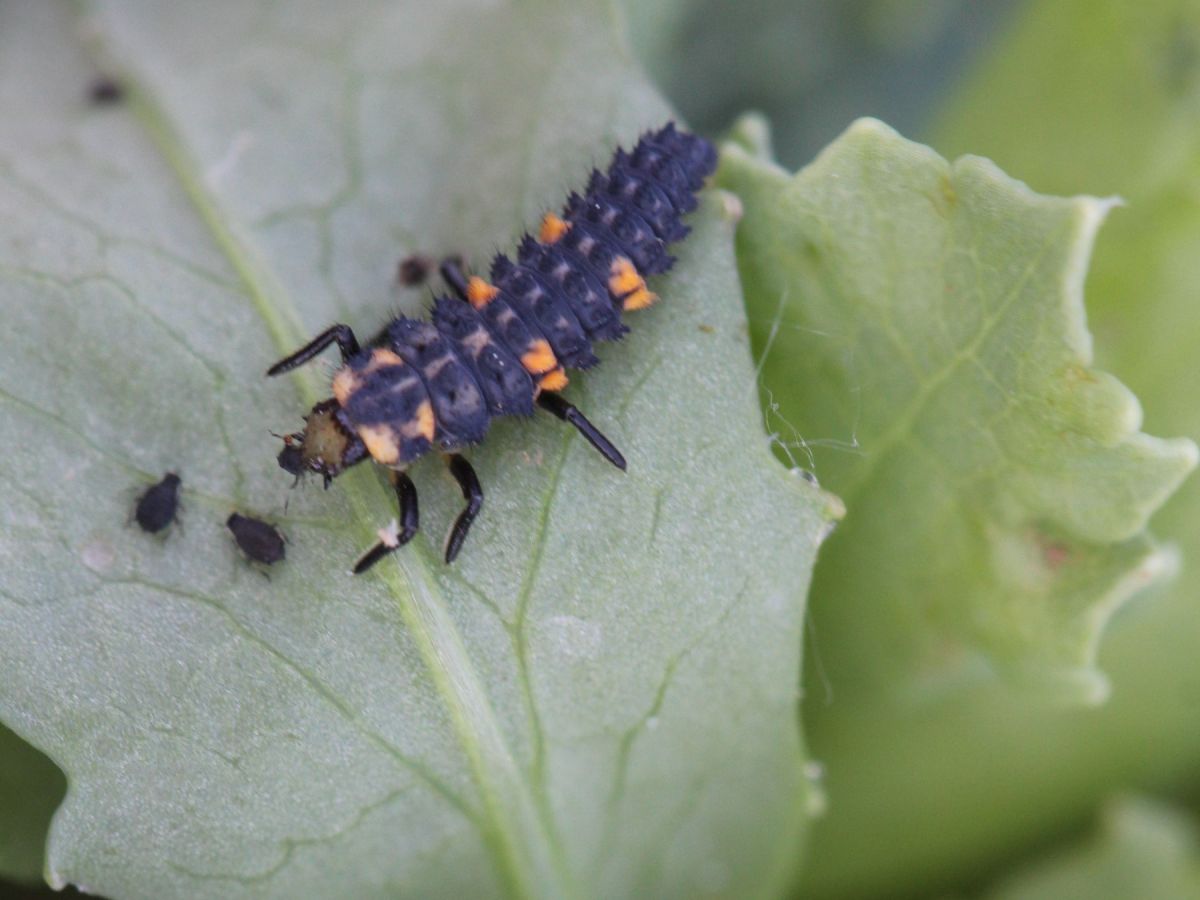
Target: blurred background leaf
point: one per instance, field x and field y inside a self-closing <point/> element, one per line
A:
<point x="1140" y="848"/>
<point x="30" y="788"/>
<point x="959" y="552"/>
<point x="922" y="344"/>
<point x="1095" y="97"/>
<point x="812" y="66"/>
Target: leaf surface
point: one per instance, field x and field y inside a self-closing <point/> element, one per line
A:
<point x="924" y="351"/>
<point x="597" y="699"/>
<point x="1080" y="97"/>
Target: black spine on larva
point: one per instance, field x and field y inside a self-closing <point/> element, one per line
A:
<point x="651" y="202"/>
<point x="386" y="395"/>
<point x="654" y="186"/>
<point x="506" y="385"/>
<point x="514" y="330"/>
<point x="535" y="299"/>
<point x="632" y="234"/>
<point x="585" y="290"/>
<point x="595" y="245"/>
<point x="459" y="408"/>
<point x="469" y="360"/>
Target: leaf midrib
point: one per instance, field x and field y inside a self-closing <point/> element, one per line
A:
<point x="515" y="830"/>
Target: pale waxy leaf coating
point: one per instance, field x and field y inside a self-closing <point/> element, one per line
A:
<point x="597" y="700"/>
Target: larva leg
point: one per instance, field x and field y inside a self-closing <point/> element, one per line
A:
<point x="472" y="492"/>
<point x="335" y="334"/>
<point x="452" y="273"/>
<point x="554" y="403"/>
<point x="406" y="496"/>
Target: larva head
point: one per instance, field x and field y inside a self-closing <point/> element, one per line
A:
<point x="327" y="445"/>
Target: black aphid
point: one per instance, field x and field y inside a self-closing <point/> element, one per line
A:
<point x="290" y="459"/>
<point x="502" y="345"/>
<point x="159" y="505"/>
<point x="259" y="540"/>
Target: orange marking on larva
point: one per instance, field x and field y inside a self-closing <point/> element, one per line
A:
<point x="381" y="443"/>
<point x="382" y="358"/>
<point x="539" y="358"/>
<point x="624" y="278"/>
<point x="345" y="383"/>
<point x="425" y="421"/>
<point x="555" y="380"/>
<point x="639" y="299"/>
<point x="479" y="292"/>
<point x="552" y="229"/>
<point x="346" y="380"/>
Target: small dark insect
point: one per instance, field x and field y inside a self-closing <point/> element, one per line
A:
<point x="106" y="91"/>
<point x="413" y="270"/>
<point x="290" y="458"/>
<point x="158" y="506"/>
<point x="502" y="346"/>
<point x="259" y="540"/>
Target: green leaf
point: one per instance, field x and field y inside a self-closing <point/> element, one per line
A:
<point x="1129" y="98"/>
<point x="30" y="788"/>
<point x="1131" y="86"/>
<point x="924" y="342"/>
<point x="1142" y="849"/>
<point x="597" y="699"/>
<point x="811" y="66"/>
<point x="1083" y="96"/>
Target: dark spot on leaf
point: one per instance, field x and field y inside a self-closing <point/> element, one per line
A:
<point x="1179" y="59"/>
<point x="413" y="270"/>
<point x="106" y="91"/>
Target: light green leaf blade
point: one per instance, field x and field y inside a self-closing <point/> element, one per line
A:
<point x="1082" y="97"/>
<point x="30" y="788"/>
<point x="1129" y="98"/>
<point x="1093" y="97"/>
<point x="923" y="336"/>
<point x="1141" y="849"/>
<point x="598" y="699"/>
